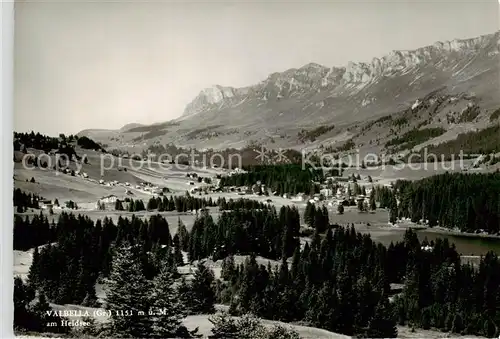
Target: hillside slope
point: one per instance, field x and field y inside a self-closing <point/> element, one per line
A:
<point x="276" y="110"/>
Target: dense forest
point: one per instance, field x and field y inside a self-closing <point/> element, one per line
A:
<point x="495" y="115"/>
<point x="340" y="281"/>
<point x="311" y="135"/>
<point x="63" y="144"/>
<point x="35" y="140"/>
<point x="36" y="231"/>
<point x="415" y="137"/>
<point x="24" y="200"/>
<point x="334" y="278"/>
<point x="347" y="146"/>
<point x="241" y="231"/>
<point x="87" y="143"/>
<point x="468" y="202"/>
<point x="485" y="141"/>
<point x="281" y="179"/>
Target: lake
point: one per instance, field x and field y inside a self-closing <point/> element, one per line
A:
<point x="465" y="245"/>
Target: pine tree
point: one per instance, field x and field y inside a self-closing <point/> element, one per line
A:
<point x="340" y="208"/>
<point x="281" y="332"/>
<point x="361" y="206"/>
<point x="34" y="268"/>
<point x="393" y="213"/>
<point x="183" y="235"/>
<point x="118" y="205"/>
<point x="128" y="291"/>
<point x="373" y="205"/>
<point x="90" y="299"/>
<point x="202" y="291"/>
<point x="184" y="292"/>
<point x="178" y="257"/>
<point x="23" y="295"/>
<point x="309" y="214"/>
<point x="42" y="316"/>
<point x="167" y="310"/>
<point x="382" y="325"/>
<point x="224" y="327"/>
<point x="457" y="325"/>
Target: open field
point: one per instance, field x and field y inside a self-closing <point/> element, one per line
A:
<point x="23" y="261"/>
<point x="375" y="224"/>
<point x="86" y="191"/>
<point x="204" y="326"/>
<point x="51" y="184"/>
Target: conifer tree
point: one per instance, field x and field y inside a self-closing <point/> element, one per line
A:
<point x="128" y="291"/>
<point x="361" y="206"/>
<point x="166" y="309"/>
<point x="118" y="205"/>
<point x="382" y="324"/>
<point x="224" y="327"/>
<point x="373" y="205"/>
<point x="34" y="268"/>
<point x="23" y="295"/>
<point x="178" y="257"/>
<point x="90" y="299"/>
<point x="202" y="291"/>
<point x="183" y="235"/>
<point x="340" y="208"/>
<point x="42" y="316"/>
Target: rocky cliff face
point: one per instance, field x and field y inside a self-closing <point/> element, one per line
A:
<point x="424" y="84"/>
<point x="443" y="60"/>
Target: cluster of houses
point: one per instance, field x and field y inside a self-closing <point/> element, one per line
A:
<point x="205" y="189"/>
<point x="144" y="186"/>
<point x="257" y="188"/>
<point x="334" y="192"/>
<point x="149" y="187"/>
<point x="110" y="199"/>
<point x="47" y="204"/>
<point x="236" y="170"/>
<point x="109" y="183"/>
<point x="69" y="171"/>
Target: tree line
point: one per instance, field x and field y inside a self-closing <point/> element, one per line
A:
<point x="485" y="141"/>
<point x="38" y="141"/>
<point x="468" y="202"/>
<point x="23" y="200"/>
<point x="414" y="137"/>
<point x="265" y="232"/>
<point x="339" y="282"/>
<point x="186" y="203"/>
<point x="288" y="178"/>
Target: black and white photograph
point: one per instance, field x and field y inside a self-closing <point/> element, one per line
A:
<point x="254" y="169"/>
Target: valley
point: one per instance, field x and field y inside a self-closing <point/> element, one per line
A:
<point x="321" y="202"/>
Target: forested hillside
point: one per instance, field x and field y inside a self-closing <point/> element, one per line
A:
<point x="468" y="202"/>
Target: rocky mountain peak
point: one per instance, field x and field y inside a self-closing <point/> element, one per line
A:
<point x="354" y="77"/>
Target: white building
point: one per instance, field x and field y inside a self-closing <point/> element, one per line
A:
<point x="108" y="199"/>
<point x="327" y="192"/>
<point x="298" y="197"/>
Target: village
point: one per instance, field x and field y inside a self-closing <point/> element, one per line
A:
<point x="334" y="191"/>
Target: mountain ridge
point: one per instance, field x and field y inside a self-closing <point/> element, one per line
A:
<point x="357" y="74"/>
<point x="451" y="86"/>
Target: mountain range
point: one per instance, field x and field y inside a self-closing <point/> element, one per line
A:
<point x="317" y="104"/>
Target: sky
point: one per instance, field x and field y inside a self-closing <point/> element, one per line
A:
<point x="81" y="64"/>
